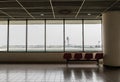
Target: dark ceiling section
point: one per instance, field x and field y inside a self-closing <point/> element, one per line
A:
<point x="94" y="8"/>
<point x="69" y="9"/>
<point x="66" y="9"/>
<point x="3" y="15"/>
<point x="116" y="7"/>
<point x="12" y="8"/>
<point x="38" y="7"/>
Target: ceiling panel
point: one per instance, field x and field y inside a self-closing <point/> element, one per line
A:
<point x="67" y="9"/>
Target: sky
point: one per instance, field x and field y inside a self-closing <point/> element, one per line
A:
<point x="54" y="34"/>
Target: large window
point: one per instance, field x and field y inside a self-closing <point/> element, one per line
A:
<point x="54" y="35"/>
<point x="36" y="35"/>
<point x="50" y="35"/>
<point x="73" y="35"/>
<point x="3" y="35"/>
<point x="92" y="35"/>
<point x="17" y="35"/>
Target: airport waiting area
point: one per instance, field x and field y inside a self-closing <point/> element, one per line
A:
<point x="59" y="41"/>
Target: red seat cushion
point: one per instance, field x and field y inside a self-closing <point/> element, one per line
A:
<point x="78" y="56"/>
<point x="99" y="56"/>
<point x="67" y="56"/>
<point x="88" y="56"/>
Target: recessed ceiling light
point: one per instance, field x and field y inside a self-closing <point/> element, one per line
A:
<point x="41" y="14"/>
<point x="89" y="14"/>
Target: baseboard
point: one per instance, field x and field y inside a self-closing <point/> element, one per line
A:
<point x="108" y="66"/>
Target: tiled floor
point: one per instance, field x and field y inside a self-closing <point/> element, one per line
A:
<point x="57" y="73"/>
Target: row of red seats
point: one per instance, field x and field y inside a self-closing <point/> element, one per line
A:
<point x="79" y="56"/>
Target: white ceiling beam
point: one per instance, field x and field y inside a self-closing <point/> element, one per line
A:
<point x="52" y="8"/>
<point x="79" y="9"/>
<point x="25" y="9"/>
<point x="6" y="14"/>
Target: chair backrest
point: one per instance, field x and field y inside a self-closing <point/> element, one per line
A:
<point x="88" y="56"/>
<point x="67" y="56"/>
<point x="78" y="56"/>
<point x="99" y="56"/>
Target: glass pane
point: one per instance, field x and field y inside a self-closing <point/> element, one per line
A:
<point x="73" y="35"/>
<point x="36" y="35"/>
<point x="92" y="35"/>
<point x="3" y="35"/>
<point x="54" y="35"/>
<point x="17" y="36"/>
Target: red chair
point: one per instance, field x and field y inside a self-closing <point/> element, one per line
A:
<point x="67" y="56"/>
<point x="78" y="56"/>
<point x="88" y="56"/>
<point x="98" y="56"/>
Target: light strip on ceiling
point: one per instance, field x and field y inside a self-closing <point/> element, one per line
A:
<point x="25" y="9"/>
<point x="80" y="8"/>
<point x="107" y="8"/>
<point x="6" y="14"/>
<point x="52" y="8"/>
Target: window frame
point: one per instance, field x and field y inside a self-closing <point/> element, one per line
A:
<point x="9" y="36"/>
<point x="100" y="34"/>
<point x="62" y="36"/>
<point x="8" y="21"/>
<point x="27" y="24"/>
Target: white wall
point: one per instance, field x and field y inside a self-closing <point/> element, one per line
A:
<point x="31" y="57"/>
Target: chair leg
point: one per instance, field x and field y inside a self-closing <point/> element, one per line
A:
<point x="98" y="62"/>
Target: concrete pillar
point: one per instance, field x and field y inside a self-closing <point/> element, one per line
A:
<point x="111" y="38"/>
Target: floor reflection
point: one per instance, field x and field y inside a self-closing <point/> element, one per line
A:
<point x="57" y="73"/>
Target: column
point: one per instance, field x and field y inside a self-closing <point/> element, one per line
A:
<point x="111" y="38"/>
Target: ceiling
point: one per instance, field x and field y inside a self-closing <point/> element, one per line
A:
<point x="56" y="9"/>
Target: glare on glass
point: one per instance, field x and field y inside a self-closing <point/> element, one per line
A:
<point x="92" y="35"/>
<point x="73" y="35"/>
<point x="3" y="35"/>
<point x="54" y="35"/>
<point x="17" y="35"/>
<point x="36" y="29"/>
